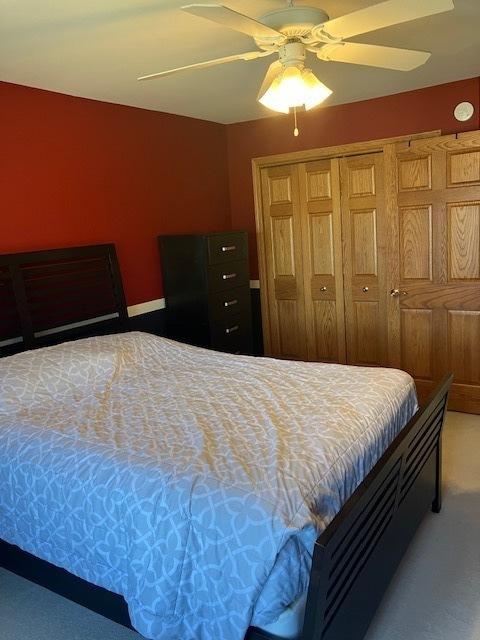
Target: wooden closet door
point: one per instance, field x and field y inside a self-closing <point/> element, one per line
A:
<point x="283" y="248"/>
<point x="363" y="233"/>
<point x="435" y="316"/>
<point x="322" y="260"/>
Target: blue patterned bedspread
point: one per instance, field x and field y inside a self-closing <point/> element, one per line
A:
<point x="191" y="482"/>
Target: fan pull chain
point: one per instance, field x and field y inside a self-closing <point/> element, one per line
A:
<point x="295" y="131"/>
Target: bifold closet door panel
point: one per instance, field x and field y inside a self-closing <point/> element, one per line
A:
<point x="322" y="260"/>
<point x="435" y="312"/>
<point x="283" y="257"/>
<point x="363" y="234"/>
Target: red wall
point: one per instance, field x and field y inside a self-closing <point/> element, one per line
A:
<point x="403" y="113"/>
<point x="76" y="171"/>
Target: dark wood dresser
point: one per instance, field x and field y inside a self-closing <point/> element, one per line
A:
<point x="207" y="290"/>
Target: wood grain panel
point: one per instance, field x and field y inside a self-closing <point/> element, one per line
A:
<point x="464" y="345"/>
<point x="283" y="246"/>
<point x="283" y="300"/>
<point x="364" y="242"/>
<point x="363" y="233"/>
<point x="291" y="331"/>
<point x="324" y="288"/>
<point x="319" y="185"/>
<point x="326" y="330"/>
<point x="286" y="288"/>
<point x="280" y="190"/>
<point x="416" y="251"/>
<point x="367" y="330"/>
<point x="464" y="241"/>
<point x="322" y="260"/>
<point x="361" y="180"/>
<point x="414" y="173"/>
<point x="417" y="342"/>
<point x="463" y="168"/>
<point x="452" y="142"/>
<point x="322" y="250"/>
<point x="445" y="296"/>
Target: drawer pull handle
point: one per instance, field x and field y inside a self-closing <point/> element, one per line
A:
<point x="323" y="288"/>
<point x="228" y="276"/>
<point x="230" y="247"/>
<point x="230" y="303"/>
<point x="365" y="289"/>
<point x="232" y="329"/>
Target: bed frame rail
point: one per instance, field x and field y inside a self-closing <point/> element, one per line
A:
<point x="358" y="553"/>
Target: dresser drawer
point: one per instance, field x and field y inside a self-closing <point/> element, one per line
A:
<point x="233" y="334"/>
<point x="226" y="304"/>
<point x="227" y="276"/>
<point x="227" y="247"/>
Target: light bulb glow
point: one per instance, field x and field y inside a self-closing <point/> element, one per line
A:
<point x="294" y="87"/>
<point x="273" y="99"/>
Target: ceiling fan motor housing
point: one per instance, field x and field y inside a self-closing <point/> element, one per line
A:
<point x="292" y="22"/>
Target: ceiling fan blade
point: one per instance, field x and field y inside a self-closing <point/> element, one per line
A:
<point x="382" y="15"/>
<point x="251" y="55"/>
<point x="373" y="55"/>
<point x="233" y="20"/>
<point x="272" y="71"/>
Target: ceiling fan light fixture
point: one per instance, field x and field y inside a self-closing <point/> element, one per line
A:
<point x="295" y="30"/>
<point x="294" y="87"/>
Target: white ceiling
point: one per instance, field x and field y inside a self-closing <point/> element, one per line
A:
<point x="97" y="48"/>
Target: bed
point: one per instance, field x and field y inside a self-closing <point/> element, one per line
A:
<point x="216" y="495"/>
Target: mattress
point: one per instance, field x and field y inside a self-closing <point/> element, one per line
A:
<point x="191" y="482"/>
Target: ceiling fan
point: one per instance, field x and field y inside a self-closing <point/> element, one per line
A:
<point x="293" y="31"/>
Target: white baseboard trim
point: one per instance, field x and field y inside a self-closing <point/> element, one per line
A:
<point x="146" y="307"/>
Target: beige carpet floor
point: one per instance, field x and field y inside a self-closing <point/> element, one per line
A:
<point x="435" y="594"/>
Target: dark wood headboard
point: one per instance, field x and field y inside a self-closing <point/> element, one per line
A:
<point x="50" y="296"/>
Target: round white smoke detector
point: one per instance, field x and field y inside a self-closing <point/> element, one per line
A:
<point x="464" y="111"/>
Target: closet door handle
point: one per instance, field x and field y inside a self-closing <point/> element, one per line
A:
<point x="228" y="276"/>
<point x="232" y="329"/>
<point x="230" y="247"/>
<point x="230" y="303"/>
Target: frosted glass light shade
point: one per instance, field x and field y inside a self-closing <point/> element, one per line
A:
<point x="315" y="91"/>
<point x="294" y="87"/>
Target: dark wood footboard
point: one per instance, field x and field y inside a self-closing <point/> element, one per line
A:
<point x="356" y="556"/>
